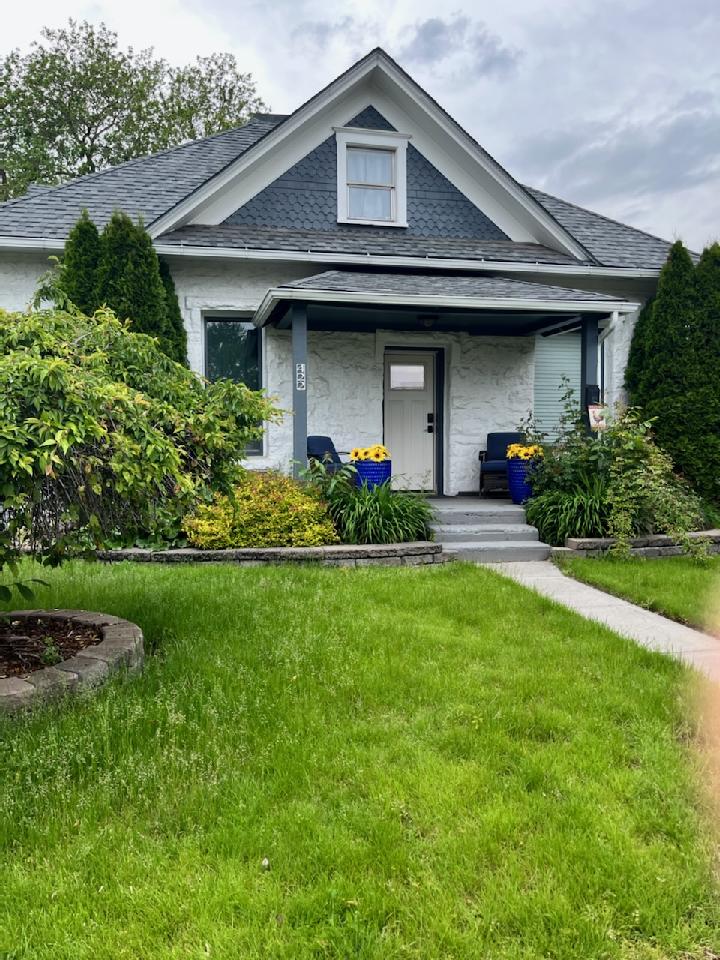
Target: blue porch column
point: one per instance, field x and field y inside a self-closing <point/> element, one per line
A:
<point x="298" y="322"/>
<point x="589" y="340"/>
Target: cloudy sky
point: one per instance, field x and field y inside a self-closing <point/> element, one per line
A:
<point x="614" y="104"/>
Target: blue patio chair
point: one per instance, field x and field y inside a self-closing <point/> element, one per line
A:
<point x="323" y="449"/>
<point x="493" y="461"/>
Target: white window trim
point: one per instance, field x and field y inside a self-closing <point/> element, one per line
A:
<point x="373" y="139"/>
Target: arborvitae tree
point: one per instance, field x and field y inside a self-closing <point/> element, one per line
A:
<point x="129" y="279"/>
<point x="704" y="470"/>
<point x="636" y="357"/>
<point x="176" y="327"/>
<point x="666" y="384"/>
<point x="78" y="278"/>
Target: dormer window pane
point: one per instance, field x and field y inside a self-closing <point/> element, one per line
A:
<point x="370" y="166"/>
<point x="370" y="203"/>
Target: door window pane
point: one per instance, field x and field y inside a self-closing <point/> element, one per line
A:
<point x="406" y="376"/>
<point x="370" y="203"/>
<point x="232" y="352"/>
<point x="370" y="166"/>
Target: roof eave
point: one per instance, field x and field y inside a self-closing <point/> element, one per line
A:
<point x="443" y="263"/>
<point x="278" y="294"/>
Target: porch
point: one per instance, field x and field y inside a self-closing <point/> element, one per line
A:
<point x="426" y="364"/>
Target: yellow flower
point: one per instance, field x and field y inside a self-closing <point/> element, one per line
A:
<point x="521" y="451"/>
<point x="355" y="453"/>
<point x="377" y="456"/>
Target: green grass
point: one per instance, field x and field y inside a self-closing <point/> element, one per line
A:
<point x="436" y="763"/>
<point x="678" y="587"/>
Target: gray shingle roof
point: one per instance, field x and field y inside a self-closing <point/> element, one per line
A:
<point x="151" y="186"/>
<point x="345" y="281"/>
<point x="146" y="187"/>
<point x="611" y="243"/>
<point x="360" y="240"/>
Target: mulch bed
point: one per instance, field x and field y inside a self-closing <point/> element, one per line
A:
<point x="30" y="644"/>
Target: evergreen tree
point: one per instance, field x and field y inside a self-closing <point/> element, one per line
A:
<point x="636" y="357"/>
<point x="705" y="392"/>
<point x="176" y="327"/>
<point x="80" y="264"/>
<point x="129" y="279"/>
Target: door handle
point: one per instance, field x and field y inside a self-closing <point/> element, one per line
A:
<point x="429" y="428"/>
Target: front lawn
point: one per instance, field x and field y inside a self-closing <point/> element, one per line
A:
<point x="435" y="763"/>
<point x="678" y="587"/>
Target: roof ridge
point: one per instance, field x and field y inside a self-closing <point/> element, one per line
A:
<point x="617" y="223"/>
<point x="148" y="156"/>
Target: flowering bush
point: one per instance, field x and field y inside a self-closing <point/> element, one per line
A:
<point x="104" y="438"/>
<point x="523" y="451"/>
<point x="377" y="453"/>
<point x="263" y="510"/>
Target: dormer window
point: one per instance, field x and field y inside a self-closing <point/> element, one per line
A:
<point x="371" y="181"/>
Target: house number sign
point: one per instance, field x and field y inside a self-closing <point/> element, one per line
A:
<point x="300" y="376"/>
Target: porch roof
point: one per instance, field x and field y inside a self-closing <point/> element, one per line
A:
<point x="478" y="294"/>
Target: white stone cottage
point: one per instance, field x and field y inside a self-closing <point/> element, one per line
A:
<point x="369" y="264"/>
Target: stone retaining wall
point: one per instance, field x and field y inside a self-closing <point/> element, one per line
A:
<point x="121" y="647"/>
<point x="655" y="545"/>
<point x="347" y="555"/>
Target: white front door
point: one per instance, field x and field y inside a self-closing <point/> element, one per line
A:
<point x="410" y="418"/>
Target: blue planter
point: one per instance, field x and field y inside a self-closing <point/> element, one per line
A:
<point x="518" y="472"/>
<point x="371" y="473"/>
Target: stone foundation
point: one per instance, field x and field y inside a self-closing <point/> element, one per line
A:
<point x="655" y="545"/>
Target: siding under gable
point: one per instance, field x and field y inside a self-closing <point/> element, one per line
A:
<point x="305" y="197"/>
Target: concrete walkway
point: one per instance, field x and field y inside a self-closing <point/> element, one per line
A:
<point x="644" y="627"/>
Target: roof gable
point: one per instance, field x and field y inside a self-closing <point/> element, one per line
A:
<point x="377" y="80"/>
<point x="305" y="197"/>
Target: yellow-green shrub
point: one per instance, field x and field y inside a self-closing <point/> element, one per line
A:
<point x="265" y="510"/>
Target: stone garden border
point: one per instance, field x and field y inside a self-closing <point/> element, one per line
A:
<point x="121" y="646"/>
<point x="343" y="555"/>
<point x="656" y="545"/>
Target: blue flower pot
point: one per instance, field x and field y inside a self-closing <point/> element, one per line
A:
<point x="518" y="472"/>
<point x="371" y="473"/>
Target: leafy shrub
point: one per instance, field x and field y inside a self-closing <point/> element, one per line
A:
<point x="370" y="514"/>
<point x="263" y="510"/>
<point x="616" y="483"/>
<point x="103" y="438"/>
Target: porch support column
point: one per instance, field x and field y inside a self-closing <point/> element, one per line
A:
<point x="298" y="320"/>
<point x="589" y="389"/>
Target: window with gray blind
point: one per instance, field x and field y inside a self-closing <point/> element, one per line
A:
<point x="555" y="357"/>
<point x="233" y="352"/>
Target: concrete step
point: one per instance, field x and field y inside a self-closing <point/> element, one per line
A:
<point x="498" y="552"/>
<point x="449" y="532"/>
<point x="488" y="514"/>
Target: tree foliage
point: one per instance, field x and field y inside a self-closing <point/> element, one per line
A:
<point x="80" y="265"/>
<point x="76" y="103"/>
<point x="673" y="370"/>
<point x="105" y="439"/>
<point x="177" y="335"/>
<point x="128" y="279"/>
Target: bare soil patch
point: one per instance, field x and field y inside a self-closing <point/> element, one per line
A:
<point x="35" y="642"/>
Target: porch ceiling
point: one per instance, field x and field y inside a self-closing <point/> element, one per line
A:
<point x="483" y="304"/>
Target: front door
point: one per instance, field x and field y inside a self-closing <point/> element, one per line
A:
<point x="410" y="428"/>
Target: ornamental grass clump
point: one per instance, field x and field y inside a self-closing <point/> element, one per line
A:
<point x="370" y="514"/>
<point x="263" y="510"/>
